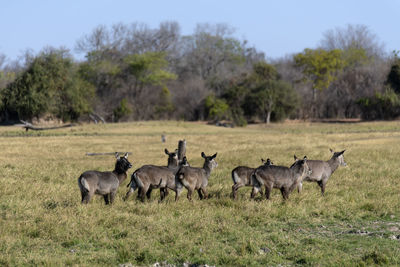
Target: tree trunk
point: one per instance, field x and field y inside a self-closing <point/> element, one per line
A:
<point x="181" y="149"/>
<point x="267" y="117"/>
<point x="314" y="103"/>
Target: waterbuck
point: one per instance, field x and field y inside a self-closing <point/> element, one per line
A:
<point x="149" y="177"/>
<point x="241" y="176"/>
<point x="104" y="183"/>
<point x="195" y="178"/>
<point x="280" y="177"/>
<point x="322" y="170"/>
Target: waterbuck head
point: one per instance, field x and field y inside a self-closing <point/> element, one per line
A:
<point x="122" y="165"/>
<point x="339" y="156"/>
<point x="172" y="158"/>
<point x="209" y="161"/>
<point x="184" y="162"/>
<point x="267" y="162"/>
<point x="302" y="165"/>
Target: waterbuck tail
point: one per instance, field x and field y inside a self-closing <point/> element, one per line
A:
<point x="130" y="182"/>
<point x="180" y="176"/>
<point x="83" y="184"/>
<point x="136" y="182"/>
<point x="235" y="177"/>
<point x="255" y="179"/>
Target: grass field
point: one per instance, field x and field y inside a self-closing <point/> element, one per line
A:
<point x="357" y="222"/>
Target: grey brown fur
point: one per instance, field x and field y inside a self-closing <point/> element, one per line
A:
<point x="104" y="183"/>
<point x="322" y="170"/>
<point x="149" y="177"/>
<point x="241" y="176"/>
<point x="195" y="178"/>
<point x="280" y="177"/>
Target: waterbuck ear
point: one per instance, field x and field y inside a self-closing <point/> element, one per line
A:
<point x="263" y="160"/>
<point x="340" y="153"/>
<point x="203" y="155"/>
<point x="126" y="155"/>
<point x="116" y="155"/>
<point x="166" y="151"/>
<point x="214" y="156"/>
<point x="295" y="158"/>
<point x="331" y="150"/>
<point x="270" y="162"/>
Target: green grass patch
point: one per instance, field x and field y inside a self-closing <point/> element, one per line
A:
<point x="355" y="224"/>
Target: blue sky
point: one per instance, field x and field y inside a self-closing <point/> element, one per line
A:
<point x="277" y="28"/>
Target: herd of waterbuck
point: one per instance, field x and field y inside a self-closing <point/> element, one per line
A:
<point x="179" y="174"/>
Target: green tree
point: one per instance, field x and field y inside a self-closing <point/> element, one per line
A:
<point x="149" y="68"/>
<point x="271" y="99"/>
<point x="50" y="84"/>
<point x="268" y="94"/>
<point x="216" y="108"/>
<point x="319" y="67"/>
<point x="393" y="79"/>
<point x="381" y="106"/>
<point x="165" y="106"/>
<point x="122" y="110"/>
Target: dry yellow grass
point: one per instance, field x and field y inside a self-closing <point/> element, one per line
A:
<point x="43" y="223"/>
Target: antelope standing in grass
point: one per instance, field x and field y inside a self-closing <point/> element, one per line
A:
<point x="104" y="183"/>
<point x="195" y="178"/>
<point x="149" y="177"/>
<point x="322" y="170"/>
<point x="241" y="176"/>
<point x="280" y="177"/>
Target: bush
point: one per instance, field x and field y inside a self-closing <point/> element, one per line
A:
<point x="381" y="106"/>
<point x="121" y="110"/>
<point x="216" y="108"/>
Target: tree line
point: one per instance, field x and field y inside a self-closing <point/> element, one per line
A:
<point x="134" y="72"/>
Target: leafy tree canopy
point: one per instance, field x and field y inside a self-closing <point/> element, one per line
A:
<point x="319" y="66"/>
<point x="50" y="84"/>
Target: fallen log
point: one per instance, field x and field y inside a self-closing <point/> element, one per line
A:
<point x="29" y="126"/>
<point x="106" y="153"/>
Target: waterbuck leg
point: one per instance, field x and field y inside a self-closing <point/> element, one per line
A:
<point x="162" y="194"/>
<point x="205" y="193"/>
<point x="300" y="187"/>
<point x="189" y="194"/>
<point x="165" y="192"/>
<point x="112" y="196"/>
<point x="148" y="193"/>
<point x="235" y="188"/>
<point x="139" y="193"/>
<point x="87" y="197"/>
<point x="322" y="184"/>
<point x="106" y="199"/>
<point x="285" y="193"/>
<point x="267" y="192"/>
<point x="130" y="192"/>
<point x="200" y="194"/>
<point x="143" y="192"/>
<point x="254" y="192"/>
<point x="177" y="193"/>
